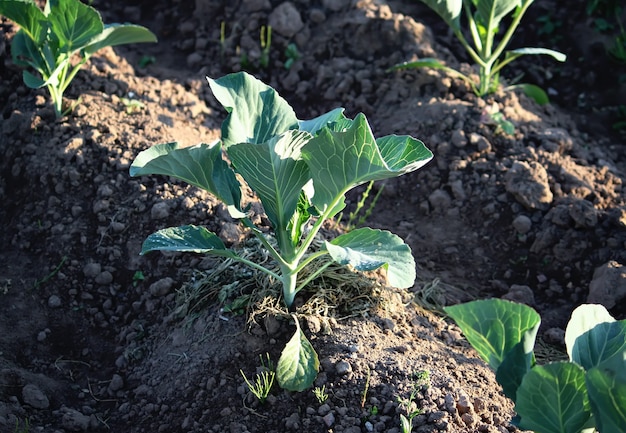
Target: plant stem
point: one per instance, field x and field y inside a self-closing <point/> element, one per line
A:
<point x="289" y="279"/>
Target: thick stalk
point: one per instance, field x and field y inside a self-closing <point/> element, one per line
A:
<point x="289" y="279"/>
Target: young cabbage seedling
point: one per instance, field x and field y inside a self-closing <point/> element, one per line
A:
<point x="300" y="171"/>
<point x="484" y="19"/>
<point x="49" y="39"/>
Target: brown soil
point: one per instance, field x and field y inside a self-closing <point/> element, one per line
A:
<point x="87" y="345"/>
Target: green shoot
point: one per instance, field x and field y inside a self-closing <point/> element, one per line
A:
<point x="320" y="394"/>
<point x="263" y="381"/>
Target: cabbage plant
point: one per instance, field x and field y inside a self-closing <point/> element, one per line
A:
<point x="49" y="39"/>
<point x="300" y="170"/>
<point x="484" y="20"/>
<point x="585" y="393"/>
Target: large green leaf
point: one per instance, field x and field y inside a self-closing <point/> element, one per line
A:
<point x="367" y="249"/>
<point x="201" y="165"/>
<point x="340" y="160"/>
<point x="553" y="399"/>
<point x="584" y="318"/>
<point x="256" y="111"/>
<point x="516" y="363"/>
<point x="189" y="238"/>
<point x="27" y="15"/>
<point x="449" y="10"/>
<point x="492" y="11"/>
<point x="275" y="171"/>
<point x="607" y="395"/>
<point x="298" y="363"/>
<point x="600" y="344"/>
<point x="118" y="34"/>
<point x="495" y="326"/>
<point x="74" y="23"/>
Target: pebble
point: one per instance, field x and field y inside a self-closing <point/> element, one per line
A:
<point x="104" y="278"/>
<point x="161" y="287"/>
<point x="343" y="367"/>
<point x="54" y="301"/>
<point x="160" y="210"/>
<point x="33" y="396"/>
<point x="522" y="224"/>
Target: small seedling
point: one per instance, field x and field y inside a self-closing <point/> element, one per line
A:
<point x="266" y="44"/>
<point x="22" y="427"/>
<point x="263" y="382"/>
<point x="49" y="39"/>
<point x="132" y="105"/>
<point x="146" y="60"/>
<point x="138" y="277"/>
<point x="320" y="394"/>
<point x="55" y="271"/>
<point x="485" y="20"/>
<point x="292" y="54"/>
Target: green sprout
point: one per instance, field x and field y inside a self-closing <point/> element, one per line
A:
<point x="263" y="381"/>
<point x="320" y="394"/>
<point x="49" y="39"/>
<point x="292" y="54"/>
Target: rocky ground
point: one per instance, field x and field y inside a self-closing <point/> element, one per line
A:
<point x="94" y="337"/>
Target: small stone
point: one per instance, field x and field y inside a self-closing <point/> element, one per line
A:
<point x="161" y="287"/>
<point x="104" y="278"/>
<point x="54" y="301"/>
<point x="440" y="199"/>
<point x="74" y="420"/>
<point x="92" y="270"/>
<point x="33" y="396"/>
<point x="117" y="383"/>
<point x="329" y="419"/>
<point x="555" y="336"/>
<point x="343" y="367"/>
<point x="160" y="210"/>
<point x="608" y="286"/>
<point x="521" y="294"/>
<point x="522" y="224"/>
<point x="458" y="138"/>
<point x="285" y="20"/>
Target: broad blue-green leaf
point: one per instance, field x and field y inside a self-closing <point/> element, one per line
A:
<point x="537" y="51"/>
<point x="27" y="15"/>
<point x="553" y="399"/>
<point x="495" y="326"/>
<point x="341" y="160"/>
<point x="584" y="318"/>
<point x="298" y="364"/>
<point x="367" y="249"/>
<point x="201" y="165"/>
<point x="74" y="24"/>
<point x="32" y="81"/>
<point x="600" y="344"/>
<point x="492" y="11"/>
<point x="449" y="10"/>
<point x="118" y="34"/>
<point x="314" y="125"/>
<point x="256" y="111"/>
<point x="607" y="395"/>
<point x="275" y="171"/>
<point x="516" y="363"/>
<point x="190" y="238"/>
